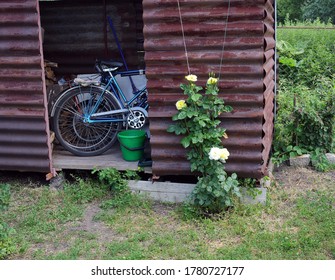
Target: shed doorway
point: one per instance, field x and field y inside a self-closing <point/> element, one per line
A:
<point x="75" y="34"/>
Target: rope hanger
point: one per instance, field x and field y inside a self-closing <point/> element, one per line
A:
<point x="223" y="41"/>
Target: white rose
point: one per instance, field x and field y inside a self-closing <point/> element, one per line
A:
<point x="191" y="78"/>
<point x="224" y="154"/>
<point x="214" y="153"/>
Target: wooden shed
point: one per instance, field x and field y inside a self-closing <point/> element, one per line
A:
<point x="76" y="32"/>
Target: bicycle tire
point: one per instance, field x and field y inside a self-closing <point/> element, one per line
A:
<point x="73" y="133"/>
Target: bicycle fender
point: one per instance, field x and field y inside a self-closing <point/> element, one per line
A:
<point x="65" y="92"/>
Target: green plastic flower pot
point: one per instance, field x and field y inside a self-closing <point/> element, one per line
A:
<point x="132" y="144"/>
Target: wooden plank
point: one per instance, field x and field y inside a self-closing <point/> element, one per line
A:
<point x="113" y="158"/>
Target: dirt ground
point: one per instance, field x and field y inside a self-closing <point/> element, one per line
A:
<point x="303" y="178"/>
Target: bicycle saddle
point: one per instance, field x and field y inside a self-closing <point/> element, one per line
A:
<point x="111" y="63"/>
<point x="103" y="64"/>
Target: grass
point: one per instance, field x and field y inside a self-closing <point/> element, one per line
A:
<point x="308" y="37"/>
<point x="84" y="221"/>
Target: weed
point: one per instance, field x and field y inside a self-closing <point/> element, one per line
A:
<point x="188" y="212"/>
<point x="7" y="246"/>
<point x="4" y="196"/>
<point x="117" y="182"/>
<point x="6" y="240"/>
<point x="84" y="190"/>
<point x="320" y="161"/>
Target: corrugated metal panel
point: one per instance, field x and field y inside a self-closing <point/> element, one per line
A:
<point x="245" y="79"/>
<point x="269" y="83"/>
<point x="77" y="32"/>
<point x="24" y="135"/>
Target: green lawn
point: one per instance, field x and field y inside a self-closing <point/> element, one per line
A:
<point x="84" y="221"/>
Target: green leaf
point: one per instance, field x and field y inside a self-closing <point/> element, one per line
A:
<point x="181" y="130"/>
<point x="202" y="123"/>
<point x="217" y="193"/>
<point x="190" y="113"/>
<point x="194" y="166"/>
<point x="171" y="128"/>
<point x="234" y="176"/>
<point x="228" y="202"/>
<point x="293" y="154"/>
<point x="290" y="62"/>
<point x="289" y="148"/>
<point x="198" y="138"/>
<point x="216" y="123"/>
<point x="175" y="117"/>
<point x="185" y="142"/>
<point x="196" y="97"/>
<point x="298" y="150"/>
<point x="222" y="178"/>
<point x="227" y="186"/>
<point x="182" y="115"/>
<point x="197" y="88"/>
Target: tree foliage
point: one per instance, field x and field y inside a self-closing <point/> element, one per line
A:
<point x="323" y="9"/>
<point x="299" y="10"/>
<point x="291" y="8"/>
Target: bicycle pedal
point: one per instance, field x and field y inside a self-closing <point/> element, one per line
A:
<point x="146" y="162"/>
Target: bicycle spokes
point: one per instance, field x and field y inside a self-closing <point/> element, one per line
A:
<point x="72" y="122"/>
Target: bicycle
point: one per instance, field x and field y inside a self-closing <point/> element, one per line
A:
<point x="87" y="117"/>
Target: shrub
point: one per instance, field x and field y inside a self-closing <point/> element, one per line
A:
<point x="305" y="119"/>
<point x="198" y="121"/>
<point x="306" y="116"/>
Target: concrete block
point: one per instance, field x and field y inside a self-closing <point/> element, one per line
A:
<point x="300" y="161"/>
<point x="162" y="191"/>
<point x="265" y="182"/>
<point x="180" y="192"/>
<point x="331" y="158"/>
<point x="253" y="196"/>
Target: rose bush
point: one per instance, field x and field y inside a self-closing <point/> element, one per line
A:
<point x="198" y="121"/>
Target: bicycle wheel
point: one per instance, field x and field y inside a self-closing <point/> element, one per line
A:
<point x="71" y="127"/>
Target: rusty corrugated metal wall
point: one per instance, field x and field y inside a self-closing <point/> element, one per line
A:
<point x="77" y="32"/>
<point x="24" y="135"/>
<point x="269" y="81"/>
<point x="246" y="79"/>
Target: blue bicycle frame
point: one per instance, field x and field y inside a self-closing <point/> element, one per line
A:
<point x="125" y="104"/>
